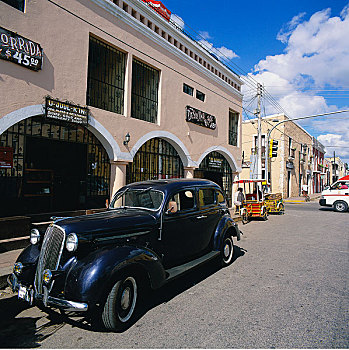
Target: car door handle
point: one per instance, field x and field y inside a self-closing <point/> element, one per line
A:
<point x="201" y="217"/>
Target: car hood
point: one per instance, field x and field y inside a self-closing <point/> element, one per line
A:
<point x="112" y="222"/>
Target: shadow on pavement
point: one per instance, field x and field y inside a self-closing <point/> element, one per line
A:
<point x="326" y="209"/>
<point x="23" y="332"/>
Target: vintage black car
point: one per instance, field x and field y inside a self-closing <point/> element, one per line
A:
<point x="152" y="232"/>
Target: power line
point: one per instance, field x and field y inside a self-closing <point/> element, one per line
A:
<point x="142" y="52"/>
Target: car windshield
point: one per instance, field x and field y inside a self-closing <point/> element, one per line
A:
<point x="138" y="198"/>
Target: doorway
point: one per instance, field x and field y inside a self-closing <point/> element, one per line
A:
<point x="55" y="174"/>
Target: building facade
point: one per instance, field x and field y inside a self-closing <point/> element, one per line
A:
<point x="100" y="93"/>
<point x="335" y="169"/>
<point x="318" y="166"/>
<point x="295" y="162"/>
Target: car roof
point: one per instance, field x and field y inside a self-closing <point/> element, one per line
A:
<point x="169" y="185"/>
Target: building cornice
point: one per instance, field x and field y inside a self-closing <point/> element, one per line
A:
<point x="147" y="12"/>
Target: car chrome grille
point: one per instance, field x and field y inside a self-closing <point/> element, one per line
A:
<point x="50" y="254"/>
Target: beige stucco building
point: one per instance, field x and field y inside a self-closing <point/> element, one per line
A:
<point x="335" y="169"/>
<point x="160" y="105"/>
<point x="295" y="163"/>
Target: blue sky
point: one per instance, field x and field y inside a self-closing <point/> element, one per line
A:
<point x="299" y="50"/>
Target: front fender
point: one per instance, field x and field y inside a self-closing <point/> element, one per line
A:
<point x="226" y="223"/>
<point x="90" y="278"/>
<point x="29" y="258"/>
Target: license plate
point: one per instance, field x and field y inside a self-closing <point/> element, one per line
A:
<point x="22" y="291"/>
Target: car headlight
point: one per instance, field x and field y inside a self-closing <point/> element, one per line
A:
<point x="18" y="268"/>
<point x="72" y="242"/>
<point x="34" y="236"/>
<point x="47" y="276"/>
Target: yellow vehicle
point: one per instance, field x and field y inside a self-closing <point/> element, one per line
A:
<point x="274" y="203"/>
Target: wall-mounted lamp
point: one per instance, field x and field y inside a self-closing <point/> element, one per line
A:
<point x="127" y="139"/>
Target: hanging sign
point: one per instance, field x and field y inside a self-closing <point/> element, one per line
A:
<point x="68" y="112"/>
<point x="18" y="49"/>
<point x="6" y="157"/>
<point x="215" y="163"/>
<point x="198" y="117"/>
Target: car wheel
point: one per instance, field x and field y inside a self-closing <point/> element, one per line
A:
<point x="120" y="305"/>
<point x="340" y="206"/>
<point x="227" y="250"/>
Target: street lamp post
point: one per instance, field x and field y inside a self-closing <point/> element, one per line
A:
<point x="284" y="121"/>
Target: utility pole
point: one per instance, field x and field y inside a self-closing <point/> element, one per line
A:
<point x="259" y="135"/>
<point x="334" y="169"/>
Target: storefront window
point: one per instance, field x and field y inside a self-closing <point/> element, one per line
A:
<point x="233" y="128"/>
<point x="156" y="159"/>
<point x="106" y="77"/>
<point x="145" y="86"/>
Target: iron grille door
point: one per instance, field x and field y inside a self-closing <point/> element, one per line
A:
<point x="156" y="159"/>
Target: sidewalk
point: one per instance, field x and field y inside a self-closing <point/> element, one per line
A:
<point x="7" y="261"/>
<point x="297" y="200"/>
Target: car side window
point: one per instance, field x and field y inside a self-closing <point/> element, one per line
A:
<point x="220" y="197"/>
<point x="206" y="196"/>
<point x="185" y="200"/>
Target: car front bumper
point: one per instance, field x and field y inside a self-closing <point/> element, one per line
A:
<point x="29" y="295"/>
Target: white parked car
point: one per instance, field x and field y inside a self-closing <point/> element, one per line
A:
<point x="336" y="195"/>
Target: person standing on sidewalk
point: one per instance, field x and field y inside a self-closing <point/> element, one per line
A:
<point x="238" y="199"/>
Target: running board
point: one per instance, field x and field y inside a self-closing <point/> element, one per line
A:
<point x="179" y="270"/>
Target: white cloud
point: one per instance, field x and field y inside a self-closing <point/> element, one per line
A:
<point x="338" y="140"/>
<point x="316" y="57"/>
<point x="286" y="31"/>
<point x="221" y="52"/>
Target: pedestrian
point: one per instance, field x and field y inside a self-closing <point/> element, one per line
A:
<point x="238" y="199"/>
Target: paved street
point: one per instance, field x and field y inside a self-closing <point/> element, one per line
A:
<point x="287" y="288"/>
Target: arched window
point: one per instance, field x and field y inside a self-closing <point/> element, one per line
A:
<point x="156" y="159"/>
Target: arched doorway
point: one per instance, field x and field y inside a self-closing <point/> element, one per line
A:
<point x="56" y="166"/>
<point x="156" y="159"/>
<point x="216" y="168"/>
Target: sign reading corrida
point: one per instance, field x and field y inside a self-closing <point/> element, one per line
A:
<point x="68" y="112"/>
<point x="201" y="118"/>
<point x="18" y="49"/>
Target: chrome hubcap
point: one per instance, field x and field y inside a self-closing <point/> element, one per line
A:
<point x="226" y="250"/>
<point x="125" y="298"/>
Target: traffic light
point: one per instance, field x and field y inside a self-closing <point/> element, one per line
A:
<point x="273" y="148"/>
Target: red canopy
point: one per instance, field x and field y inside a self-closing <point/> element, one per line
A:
<point x="344" y="178"/>
<point x="160" y="8"/>
<point x="248" y="181"/>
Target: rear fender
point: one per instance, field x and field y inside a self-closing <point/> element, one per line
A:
<point x="226" y="224"/>
<point x="90" y="278"/>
